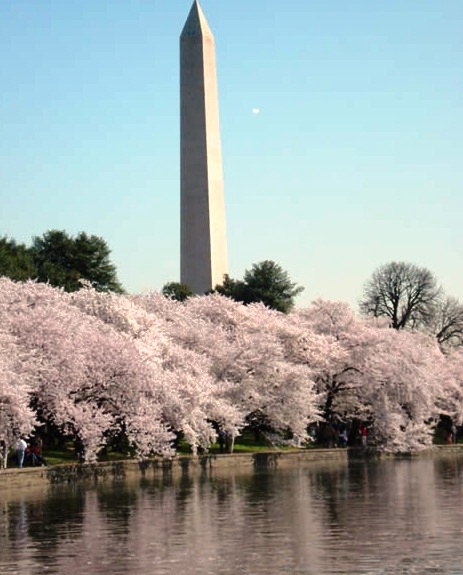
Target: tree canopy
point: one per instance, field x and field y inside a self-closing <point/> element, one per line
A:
<point x="446" y="322"/>
<point x="95" y="365"/>
<point x="403" y="292"/>
<point x="61" y="260"/>
<point x="16" y="260"/>
<point x="177" y="291"/>
<point x="265" y="282"/>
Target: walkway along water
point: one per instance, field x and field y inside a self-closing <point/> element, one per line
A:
<point x="210" y="465"/>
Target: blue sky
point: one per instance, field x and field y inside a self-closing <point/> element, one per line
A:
<point x="354" y="160"/>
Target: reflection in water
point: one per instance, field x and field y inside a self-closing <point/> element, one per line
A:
<point x="390" y="517"/>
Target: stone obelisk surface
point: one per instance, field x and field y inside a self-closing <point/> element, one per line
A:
<point x="203" y="241"/>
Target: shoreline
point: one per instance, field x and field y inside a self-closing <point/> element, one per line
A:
<point x="212" y="465"/>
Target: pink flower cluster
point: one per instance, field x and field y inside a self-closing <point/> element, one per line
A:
<point x="94" y="364"/>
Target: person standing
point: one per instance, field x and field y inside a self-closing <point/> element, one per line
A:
<point x="221" y="438"/>
<point x="343" y="438"/>
<point x="363" y="434"/>
<point x="21" y="448"/>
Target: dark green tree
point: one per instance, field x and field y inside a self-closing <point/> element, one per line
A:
<point x="269" y="283"/>
<point x="265" y="282"/>
<point x="177" y="291"/>
<point x="16" y="260"/>
<point x="234" y="289"/>
<point x="66" y="262"/>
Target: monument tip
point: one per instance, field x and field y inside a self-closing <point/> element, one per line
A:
<point x="196" y="23"/>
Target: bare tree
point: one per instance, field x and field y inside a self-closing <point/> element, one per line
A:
<point x="403" y="292"/>
<point x="447" y="322"/>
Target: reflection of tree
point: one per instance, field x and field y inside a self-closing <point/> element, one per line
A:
<point x="43" y="524"/>
<point x="450" y="469"/>
<point x="307" y="519"/>
<point x="260" y="487"/>
<point x="331" y="486"/>
<point x="117" y="504"/>
<point x="282" y="502"/>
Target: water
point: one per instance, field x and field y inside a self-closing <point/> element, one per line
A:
<point x="375" y="518"/>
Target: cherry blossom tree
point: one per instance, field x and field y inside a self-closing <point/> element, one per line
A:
<point x="249" y="357"/>
<point x="178" y="377"/>
<point x="335" y="345"/>
<point x="453" y="399"/>
<point x="405" y="390"/>
<point x="392" y="379"/>
<point x="16" y="375"/>
<point x="91" y="380"/>
<point x="100" y="365"/>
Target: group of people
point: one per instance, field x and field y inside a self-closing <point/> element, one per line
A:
<point x="29" y="453"/>
<point x="334" y="435"/>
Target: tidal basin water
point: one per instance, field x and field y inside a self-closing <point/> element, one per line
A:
<point x="386" y="517"/>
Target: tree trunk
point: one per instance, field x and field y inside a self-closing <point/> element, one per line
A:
<point x="229" y="443"/>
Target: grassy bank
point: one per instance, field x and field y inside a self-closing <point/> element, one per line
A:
<point x="246" y="443"/>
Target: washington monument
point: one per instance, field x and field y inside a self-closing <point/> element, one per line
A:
<point x="203" y="241"/>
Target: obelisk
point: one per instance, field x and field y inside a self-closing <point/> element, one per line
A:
<point x="203" y="242"/>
